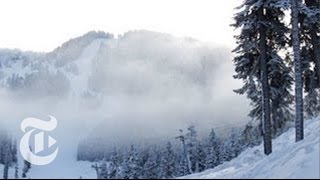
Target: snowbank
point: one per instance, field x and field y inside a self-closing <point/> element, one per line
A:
<point x="288" y="160"/>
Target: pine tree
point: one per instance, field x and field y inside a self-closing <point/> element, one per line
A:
<point x="200" y="157"/>
<point x="182" y="166"/>
<point x="193" y="150"/>
<point x="115" y="162"/>
<point x="235" y="144"/>
<point x="213" y="151"/>
<point x="224" y="152"/>
<point x="309" y="18"/>
<point x="266" y="74"/>
<point x="311" y="12"/>
<point x="151" y="167"/>
<point x="108" y="168"/>
<point x="167" y="168"/>
<point x="251" y="135"/>
<point x="185" y="165"/>
<point x="133" y="168"/>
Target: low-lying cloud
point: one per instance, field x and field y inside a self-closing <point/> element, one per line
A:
<point x="140" y="85"/>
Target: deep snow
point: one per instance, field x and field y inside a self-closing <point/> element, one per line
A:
<point x="288" y="160"/>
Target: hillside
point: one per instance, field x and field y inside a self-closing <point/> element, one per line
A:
<point x="288" y="160"/>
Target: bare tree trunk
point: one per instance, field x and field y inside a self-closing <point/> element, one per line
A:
<point x="298" y="69"/>
<point x="267" y="138"/>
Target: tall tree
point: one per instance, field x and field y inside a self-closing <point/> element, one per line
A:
<point x="213" y="151"/>
<point x="297" y="68"/>
<point x="313" y="17"/>
<point x="185" y="163"/>
<point x="151" y="168"/>
<point x="309" y="18"/>
<point x="167" y="168"/>
<point x="259" y="63"/>
<point x="133" y="165"/>
<point x="192" y="148"/>
<point x="265" y="83"/>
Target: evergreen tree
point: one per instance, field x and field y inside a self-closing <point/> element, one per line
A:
<point x="266" y="75"/>
<point x="151" y="166"/>
<point x="234" y="144"/>
<point x="192" y="149"/>
<point x="185" y="165"/>
<point x="213" y="151"/>
<point x="132" y="169"/>
<point x="309" y="19"/>
<point x="224" y="153"/>
<point x="311" y="12"/>
<point x="251" y="135"/>
<point x="167" y="168"/>
<point x="115" y="163"/>
<point x="200" y="157"/>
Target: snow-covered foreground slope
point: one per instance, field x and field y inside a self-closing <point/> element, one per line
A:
<point x="288" y="160"/>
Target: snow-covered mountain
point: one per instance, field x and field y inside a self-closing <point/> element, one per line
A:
<point x="141" y="75"/>
<point x="288" y="160"/>
<point x="49" y="74"/>
<point x="121" y="85"/>
<point x="97" y="64"/>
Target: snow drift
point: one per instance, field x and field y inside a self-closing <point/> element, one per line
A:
<point x="288" y="159"/>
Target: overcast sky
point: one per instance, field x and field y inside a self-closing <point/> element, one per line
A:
<point x="42" y="25"/>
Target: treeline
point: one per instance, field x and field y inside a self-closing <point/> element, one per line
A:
<point x="187" y="154"/>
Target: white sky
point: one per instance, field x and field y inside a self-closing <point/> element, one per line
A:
<point x="42" y="25"/>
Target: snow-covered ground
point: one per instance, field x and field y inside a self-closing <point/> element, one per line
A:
<point x="288" y="160"/>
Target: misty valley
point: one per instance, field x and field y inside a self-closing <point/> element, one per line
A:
<point x="121" y="99"/>
<point x="160" y="90"/>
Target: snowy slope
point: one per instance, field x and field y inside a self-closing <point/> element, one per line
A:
<point x="288" y="160"/>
